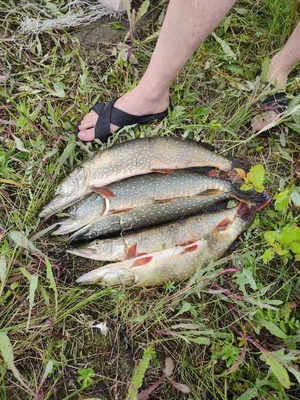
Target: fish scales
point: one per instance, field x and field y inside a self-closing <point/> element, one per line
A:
<point x="174" y="264"/>
<point x="140" y="190"/>
<point x="145" y="155"/>
<point x="149" y="215"/>
<point x="136" y="157"/>
<point x="154" y="239"/>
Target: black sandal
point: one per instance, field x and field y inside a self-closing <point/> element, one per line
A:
<point x="278" y="102"/>
<point x="111" y="115"/>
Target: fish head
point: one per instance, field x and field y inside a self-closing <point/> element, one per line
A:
<point x="108" y="276"/>
<point x="88" y="232"/>
<point x="74" y="185"/>
<point x="89" y="206"/>
<point x="92" y="250"/>
<point x="71" y="189"/>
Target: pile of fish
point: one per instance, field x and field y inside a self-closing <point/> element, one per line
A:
<point x="153" y="210"/>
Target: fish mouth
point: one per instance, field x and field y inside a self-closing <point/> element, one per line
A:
<point x="81" y="234"/>
<point x="82" y="252"/>
<point x="91" y="277"/>
<point x="69" y="225"/>
<point x="59" y="203"/>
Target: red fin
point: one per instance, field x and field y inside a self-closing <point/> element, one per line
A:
<point x="163" y="171"/>
<point x="223" y="224"/>
<point x="104" y="191"/>
<point x="193" y="247"/>
<point x="141" y="261"/>
<point x="131" y="251"/>
<point x="188" y="242"/>
<point x="140" y="254"/>
<point x="212" y="173"/>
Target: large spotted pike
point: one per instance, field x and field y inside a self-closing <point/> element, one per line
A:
<point x="146" y="189"/>
<point x="135" y="157"/>
<point x="154" y="239"/>
<point x="148" y="216"/>
<point x="174" y="264"/>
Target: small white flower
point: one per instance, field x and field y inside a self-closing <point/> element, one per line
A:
<point x="102" y="326"/>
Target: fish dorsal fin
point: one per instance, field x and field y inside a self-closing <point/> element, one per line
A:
<point x="223" y="224"/>
<point x="163" y="171"/>
<point x="103" y="191"/>
<point x="190" y="248"/>
<point x="142" y="261"/>
<point x="131" y="251"/>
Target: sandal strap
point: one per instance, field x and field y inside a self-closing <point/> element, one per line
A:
<point x="108" y="114"/>
<point x="102" y="128"/>
<point x="122" y="118"/>
<point x="277" y="101"/>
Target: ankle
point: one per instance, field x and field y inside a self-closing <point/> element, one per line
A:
<point x="153" y="94"/>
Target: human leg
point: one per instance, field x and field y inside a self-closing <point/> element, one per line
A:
<point x="280" y="67"/>
<point x="185" y="27"/>
<point x="284" y="61"/>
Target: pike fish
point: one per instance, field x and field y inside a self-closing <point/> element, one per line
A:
<point x="176" y="263"/>
<point x="135" y="157"/>
<point x="148" y="216"/>
<point x="154" y="239"/>
<point x="146" y="189"/>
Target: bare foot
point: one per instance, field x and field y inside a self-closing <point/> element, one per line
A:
<point x="138" y="101"/>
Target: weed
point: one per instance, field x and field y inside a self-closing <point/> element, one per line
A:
<point x="232" y="330"/>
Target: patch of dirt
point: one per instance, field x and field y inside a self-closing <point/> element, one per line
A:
<point x="102" y="33"/>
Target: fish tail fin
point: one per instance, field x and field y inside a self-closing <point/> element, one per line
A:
<point x="246" y="211"/>
<point x="239" y="163"/>
<point x="250" y="196"/>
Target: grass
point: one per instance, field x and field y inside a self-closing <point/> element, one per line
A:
<point x="230" y="335"/>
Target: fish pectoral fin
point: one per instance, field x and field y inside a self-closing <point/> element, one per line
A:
<point x="163" y="171"/>
<point x="188" y="242"/>
<point x="223" y="224"/>
<point x="188" y="249"/>
<point x="131" y="251"/>
<point x="103" y="191"/>
<point x="141" y="261"/>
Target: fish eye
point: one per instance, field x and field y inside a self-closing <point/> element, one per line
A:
<point x="73" y="210"/>
<point x="97" y="243"/>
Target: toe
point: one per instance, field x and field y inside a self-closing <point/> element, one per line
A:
<point x="89" y="121"/>
<point x="87" y="135"/>
<point x="89" y="115"/>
